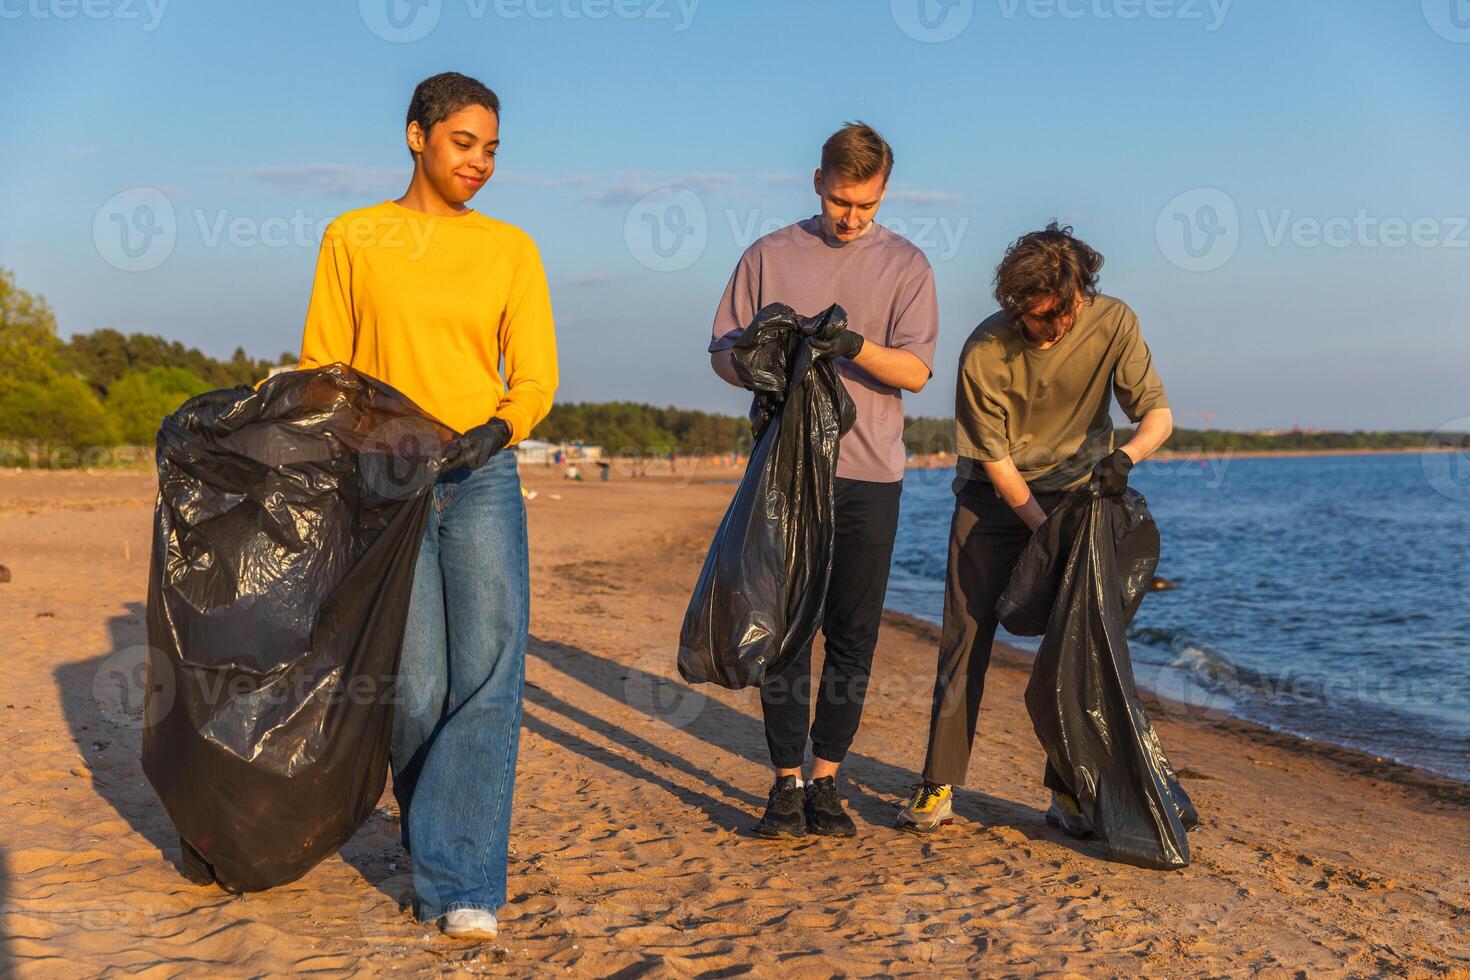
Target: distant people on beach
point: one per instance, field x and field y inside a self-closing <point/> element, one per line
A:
<point x="457" y="723"/>
<point x="840" y="255"/>
<point x="1033" y="420"/>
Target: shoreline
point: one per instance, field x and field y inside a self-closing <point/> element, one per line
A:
<point x="938" y="461"/>
<point x="1439" y="787"/>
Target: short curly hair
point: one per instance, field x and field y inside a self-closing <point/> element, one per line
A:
<point x="1048" y="264"/>
<point x="440" y="96"/>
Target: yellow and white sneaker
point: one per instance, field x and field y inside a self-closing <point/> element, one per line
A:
<point x="930" y="808"/>
<point x="1067" y="815"/>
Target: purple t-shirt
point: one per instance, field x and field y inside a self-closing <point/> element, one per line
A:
<point x="886" y="286"/>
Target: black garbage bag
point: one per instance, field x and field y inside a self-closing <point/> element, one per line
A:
<point x="760" y="594"/>
<point x="288" y="526"/>
<point x="1079" y="581"/>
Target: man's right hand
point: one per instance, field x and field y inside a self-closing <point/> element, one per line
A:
<point x="845" y="343"/>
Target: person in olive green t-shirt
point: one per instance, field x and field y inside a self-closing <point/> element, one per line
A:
<point x="1033" y="415"/>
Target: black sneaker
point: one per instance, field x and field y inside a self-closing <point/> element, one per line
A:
<point x="824" y="812"/>
<point x="784" y="817"/>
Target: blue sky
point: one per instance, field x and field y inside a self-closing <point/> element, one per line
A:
<point x="1281" y="188"/>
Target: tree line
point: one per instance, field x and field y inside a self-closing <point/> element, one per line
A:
<point x="106" y="388"/>
<point x="103" y="388"/>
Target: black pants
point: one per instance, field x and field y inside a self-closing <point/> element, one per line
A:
<point x="986" y="539"/>
<point x="866" y="519"/>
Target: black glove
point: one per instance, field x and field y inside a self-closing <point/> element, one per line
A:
<point x="844" y="343"/>
<point x="1112" y="473"/>
<point x="475" y="448"/>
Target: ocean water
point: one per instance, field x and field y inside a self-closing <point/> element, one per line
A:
<point x="1328" y="597"/>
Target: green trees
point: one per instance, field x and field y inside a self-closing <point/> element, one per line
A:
<point x="139" y="400"/>
<point x="99" y="389"/>
<point x="626" y="427"/>
<point x="39" y="399"/>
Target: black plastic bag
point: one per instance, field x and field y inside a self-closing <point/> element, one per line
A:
<point x="288" y="526"/>
<point x="760" y="594"/>
<point x="1079" y="581"/>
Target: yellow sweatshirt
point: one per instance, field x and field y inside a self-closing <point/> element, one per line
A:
<point x="431" y="305"/>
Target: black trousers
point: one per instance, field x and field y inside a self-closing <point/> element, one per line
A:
<point x="866" y="520"/>
<point x="986" y="539"/>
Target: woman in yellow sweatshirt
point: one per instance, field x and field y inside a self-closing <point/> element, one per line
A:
<point x="451" y="308"/>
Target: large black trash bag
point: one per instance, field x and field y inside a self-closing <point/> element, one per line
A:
<point x="288" y="526"/>
<point x="1079" y="581"/>
<point x="760" y="595"/>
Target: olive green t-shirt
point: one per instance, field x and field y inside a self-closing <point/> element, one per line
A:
<point x="1050" y="410"/>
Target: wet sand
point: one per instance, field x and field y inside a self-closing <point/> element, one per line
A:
<point x="632" y="848"/>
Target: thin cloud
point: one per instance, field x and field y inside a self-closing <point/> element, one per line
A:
<point x="594" y="279"/>
<point x="531" y="180"/>
<point x="630" y="188"/>
<point x="332" y="179"/>
<point x="908" y="195"/>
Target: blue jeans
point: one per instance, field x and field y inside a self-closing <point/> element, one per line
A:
<point x="457" y="723"/>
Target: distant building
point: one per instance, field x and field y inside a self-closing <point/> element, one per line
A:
<point x="536" y="452"/>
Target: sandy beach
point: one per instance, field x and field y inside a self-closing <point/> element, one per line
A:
<point x="632" y="850"/>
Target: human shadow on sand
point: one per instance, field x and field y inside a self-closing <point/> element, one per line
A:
<point x="102" y="700"/>
<point x="875" y="788"/>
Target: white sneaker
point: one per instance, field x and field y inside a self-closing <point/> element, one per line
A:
<point x="470" y="924"/>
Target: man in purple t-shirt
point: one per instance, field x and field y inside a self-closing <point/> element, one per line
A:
<point x="887" y="288"/>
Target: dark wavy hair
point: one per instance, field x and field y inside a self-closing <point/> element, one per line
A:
<point x="1047" y="264"/>
<point x="440" y="96"/>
